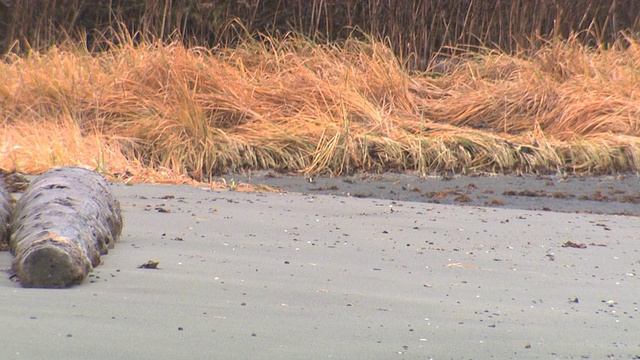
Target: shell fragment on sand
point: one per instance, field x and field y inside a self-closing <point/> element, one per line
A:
<point x="63" y="222"/>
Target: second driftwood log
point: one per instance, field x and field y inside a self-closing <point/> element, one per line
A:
<point x="5" y="213"/>
<point x="63" y="222"/>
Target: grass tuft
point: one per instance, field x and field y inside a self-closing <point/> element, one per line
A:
<point x="163" y="111"/>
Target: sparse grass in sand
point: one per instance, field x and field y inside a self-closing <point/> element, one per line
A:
<point x="164" y="112"/>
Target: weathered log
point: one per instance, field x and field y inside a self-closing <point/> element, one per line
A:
<point x="63" y="222"/>
<point x="5" y="213"/>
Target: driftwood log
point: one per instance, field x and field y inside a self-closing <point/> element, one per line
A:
<point x="63" y="222"/>
<point x="5" y="213"/>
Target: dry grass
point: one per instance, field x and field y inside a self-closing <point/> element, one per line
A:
<point x="163" y="112"/>
<point x="417" y="29"/>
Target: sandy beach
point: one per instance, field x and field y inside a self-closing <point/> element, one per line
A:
<point x="325" y="271"/>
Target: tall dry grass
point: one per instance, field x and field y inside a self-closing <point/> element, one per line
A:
<point x="295" y="105"/>
<point x="417" y="30"/>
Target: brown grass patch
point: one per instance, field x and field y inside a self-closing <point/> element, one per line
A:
<point x="496" y="202"/>
<point x="158" y="112"/>
<point x="462" y="198"/>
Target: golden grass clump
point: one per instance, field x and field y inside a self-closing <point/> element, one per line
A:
<point x="163" y="110"/>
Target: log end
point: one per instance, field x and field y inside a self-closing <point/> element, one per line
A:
<point x="52" y="262"/>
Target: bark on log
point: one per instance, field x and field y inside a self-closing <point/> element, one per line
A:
<point x="5" y="213"/>
<point x="63" y="222"/>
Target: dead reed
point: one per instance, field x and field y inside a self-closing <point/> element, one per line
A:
<point x="417" y="30"/>
<point x="164" y="110"/>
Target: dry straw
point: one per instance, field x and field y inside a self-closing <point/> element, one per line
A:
<point x="164" y="110"/>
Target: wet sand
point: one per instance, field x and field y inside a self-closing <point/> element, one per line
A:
<point x="343" y="269"/>
<point x="618" y="194"/>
